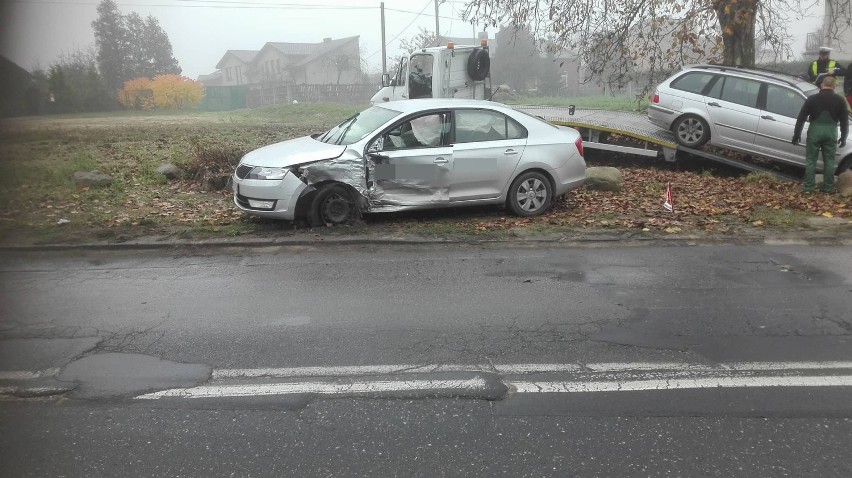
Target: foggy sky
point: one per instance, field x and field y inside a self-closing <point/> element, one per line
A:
<point x="35" y="32"/>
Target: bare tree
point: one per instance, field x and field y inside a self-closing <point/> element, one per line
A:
<point x="838" y="18"/>
<point x="423" y="39"/>
<point x="348" y="61"/>
<point x="622" y="40"/>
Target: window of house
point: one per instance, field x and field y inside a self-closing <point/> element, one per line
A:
<point x="228" y="75"/>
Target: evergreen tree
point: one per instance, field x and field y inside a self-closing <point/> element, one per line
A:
<point x="516" y="61"/>
<point x="130" y="47"/>
<point x="111" y="41"/>
<point x="137" y="66"/>
<point x="158" y="49"/>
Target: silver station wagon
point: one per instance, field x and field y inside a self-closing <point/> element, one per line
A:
<point x="413" y="154"/>
<point x="747" y="110"/>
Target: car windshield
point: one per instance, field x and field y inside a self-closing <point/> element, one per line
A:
<point x="356" y="127"/>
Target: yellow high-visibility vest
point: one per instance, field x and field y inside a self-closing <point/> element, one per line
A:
<point x="831" y="65"/>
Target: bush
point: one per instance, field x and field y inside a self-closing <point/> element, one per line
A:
<point x="213" y="165"/>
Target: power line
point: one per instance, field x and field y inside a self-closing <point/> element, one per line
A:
<point x="415" y="13"/>
<point x="221" y="4"/>
<point x="227" y="4"/>
<point x="429" y="2"/>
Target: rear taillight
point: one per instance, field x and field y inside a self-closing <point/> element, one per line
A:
<point x="656" y="98"/>
<point x="579" y="145"/>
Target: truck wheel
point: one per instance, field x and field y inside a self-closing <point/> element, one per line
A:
<point x="478" y="64"/>
<point x="691" y="131"/>
<point x="529" y="194"/>
<point x="333" y="205"/>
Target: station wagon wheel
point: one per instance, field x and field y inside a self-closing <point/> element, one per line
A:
<point x="333" y="205"/>
<point x="845" y="165"/>
<point x="691" y="131"/>
<point x="529" y="194"/>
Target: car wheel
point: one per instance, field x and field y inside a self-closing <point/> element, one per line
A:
<point x="691" y="131"/>
<point x="529" y="194"/>
<point x="333" y="205"/>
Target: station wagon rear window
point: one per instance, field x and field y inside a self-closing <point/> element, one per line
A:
<point x="693" y="82"/>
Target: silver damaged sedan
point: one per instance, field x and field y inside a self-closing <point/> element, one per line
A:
<point x="413" y="154"/>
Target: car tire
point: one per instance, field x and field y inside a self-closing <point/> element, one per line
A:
<point x="691" y="131"/>
<point x="530" y="194"/>
<point x="333" y="205"/>
<point x="478" y="64"/>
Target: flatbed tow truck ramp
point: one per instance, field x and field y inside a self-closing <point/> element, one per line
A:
<point x="595" y="126"/>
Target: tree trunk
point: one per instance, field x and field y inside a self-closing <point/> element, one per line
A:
<point x="736" y="20"/>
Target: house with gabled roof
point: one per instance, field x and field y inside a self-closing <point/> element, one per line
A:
<point x="233" y="66"/>
<point x="328" y="62"/>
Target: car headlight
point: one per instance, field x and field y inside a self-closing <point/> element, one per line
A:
<point x="262" y="172"/>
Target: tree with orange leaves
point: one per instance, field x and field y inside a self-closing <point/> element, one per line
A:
<point x="176" y="92"/>
<point x="137" y="94"/>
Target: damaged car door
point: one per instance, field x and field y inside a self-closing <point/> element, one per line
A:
<point x="412" y="163"/>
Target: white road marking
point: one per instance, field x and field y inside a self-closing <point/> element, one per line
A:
<point x="596" y="377"/>
<point x="681" y="384"/>
<point x="324" y="388"/>
<point x="517" y="369"/>
<point x="590" y="377"/>
<point x="758" y="366"/>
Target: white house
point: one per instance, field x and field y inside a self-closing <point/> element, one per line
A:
<point x="835" y="32"/>
<point x="234" y="66"/>
<point x="327" y="62"/>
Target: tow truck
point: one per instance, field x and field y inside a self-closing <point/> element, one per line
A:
<point x="451" y="71"/>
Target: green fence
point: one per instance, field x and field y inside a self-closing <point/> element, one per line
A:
<point x="223" y="98"/>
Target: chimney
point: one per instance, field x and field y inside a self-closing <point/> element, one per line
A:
<point x="326" y="40"/>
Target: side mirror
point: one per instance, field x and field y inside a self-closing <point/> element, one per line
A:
<point x="386" y="81"/>
<point x="376" y="146"/>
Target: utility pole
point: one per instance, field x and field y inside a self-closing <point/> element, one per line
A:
<point x="437" y="31"/>
<point x="384" y="47"/>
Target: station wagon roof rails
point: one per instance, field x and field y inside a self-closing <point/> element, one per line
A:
<point x="791" y="80"/>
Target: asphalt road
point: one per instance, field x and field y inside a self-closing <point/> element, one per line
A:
<point x="428" y="360"/>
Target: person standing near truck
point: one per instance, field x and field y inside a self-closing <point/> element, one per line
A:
<point x="824" y="64"/>
<point x="824" y="111"/>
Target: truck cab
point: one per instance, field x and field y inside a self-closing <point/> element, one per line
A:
<point x="440" y="72"/>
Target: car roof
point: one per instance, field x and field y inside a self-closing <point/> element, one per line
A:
<point x="756" y="73"/>
<point x="411" y="106"/>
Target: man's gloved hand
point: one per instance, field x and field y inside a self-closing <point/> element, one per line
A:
<point x="796" y="139"/>
<point x="841" y="142"/>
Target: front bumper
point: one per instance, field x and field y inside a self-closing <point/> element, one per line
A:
<point x="274" y="199"/>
